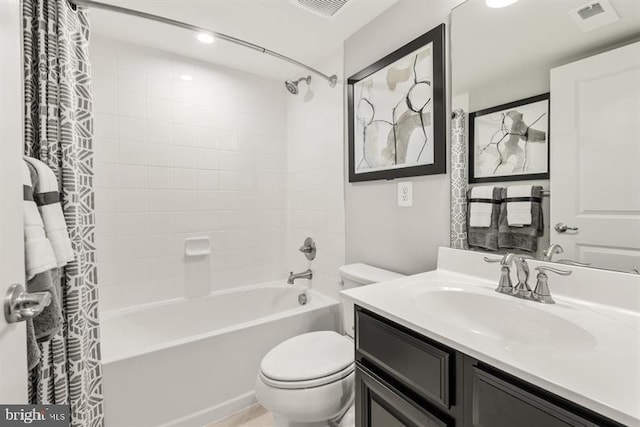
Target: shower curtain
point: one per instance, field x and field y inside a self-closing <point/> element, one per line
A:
<point x="458" y="230"/>
<point x="58" y="131"/>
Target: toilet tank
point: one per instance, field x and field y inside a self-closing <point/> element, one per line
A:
<point x="354" y="275"/>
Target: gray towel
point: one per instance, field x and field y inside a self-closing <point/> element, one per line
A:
<point x="481" y="237"/>
<point x="524" y="238"/>
<point x="46" y="324"/>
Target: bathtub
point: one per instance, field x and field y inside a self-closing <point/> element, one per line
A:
<point x="188" y="362"/>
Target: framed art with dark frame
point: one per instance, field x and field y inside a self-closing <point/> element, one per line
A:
<point x="397" y="113"/>
<point x="510" y="142"/>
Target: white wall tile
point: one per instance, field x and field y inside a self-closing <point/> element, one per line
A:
<point x="105" y="126"/>
<point x="184" y="135"/>
<point x="185" y="179"/>
<point x="208" y="159"/>
<point x="132" y="224"/>
<point x="158" y="84"/>
<point x="132" y="129"/>
<point x="162" y="146"/>
<point x="161" y="222"/>
<point x="160" y="178"/>
<point x="131" y="105"/>
<point x="185" y="157"/>
<point x="132" y="176"/>
<point x="184" y="113"/>
<point x="106" y="150"/>
<point x="159" y="109"/>
<point x="158" y="132"/>
<point x="208" y="180"/>
<point x="131" y="80"/>
<point x="131" y="200"/>
<point x="161" y="200"/>
<point x="133" y="153"/>
<point x="160" y="155"/>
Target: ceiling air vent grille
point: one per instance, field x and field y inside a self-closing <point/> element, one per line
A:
<point x="591" y="10"/>
<point x="327" y="8"/>
<point x="594" y="15"/>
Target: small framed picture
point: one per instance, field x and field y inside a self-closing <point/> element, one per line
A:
<point x="397" y="116"/>
<point x="510" y="142"/>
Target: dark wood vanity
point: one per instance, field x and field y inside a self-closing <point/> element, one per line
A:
<point x="406" y="379"/>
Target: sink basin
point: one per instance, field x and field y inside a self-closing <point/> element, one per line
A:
<point x="519" y="324"/>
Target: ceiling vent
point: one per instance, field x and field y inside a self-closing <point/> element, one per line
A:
<point x="326" y="8"/>
<point x="594" y="15"/>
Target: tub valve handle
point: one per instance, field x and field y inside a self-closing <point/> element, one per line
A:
<point x="308" y="248"/>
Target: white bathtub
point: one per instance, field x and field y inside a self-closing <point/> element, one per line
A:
<point x="190" y="362"/>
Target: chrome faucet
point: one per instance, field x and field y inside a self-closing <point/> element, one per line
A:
<point x="308" y="274"/>
<point x="553" y="249"/>
<point x="521" y="289"/>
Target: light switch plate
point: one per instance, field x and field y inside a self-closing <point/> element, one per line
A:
<point x="405" y="194"/>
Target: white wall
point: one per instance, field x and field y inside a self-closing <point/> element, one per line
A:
<point x="176" y="159"/>
<point x="315" y="178"/>
<point x="378" y="231"/>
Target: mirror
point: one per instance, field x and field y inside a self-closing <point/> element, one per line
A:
<point x="586" y="55"/>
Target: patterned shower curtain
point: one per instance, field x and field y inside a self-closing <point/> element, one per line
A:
<point x="58" y="131"/>
<point x="459" y="181"/>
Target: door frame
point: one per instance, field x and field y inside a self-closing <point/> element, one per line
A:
<point x="13" y="352"/>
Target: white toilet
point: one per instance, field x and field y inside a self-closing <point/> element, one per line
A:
<point x="308" y="380"/>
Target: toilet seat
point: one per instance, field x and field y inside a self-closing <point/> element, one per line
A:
<point x="308" y="360"/>
<point x="314" y="382"/>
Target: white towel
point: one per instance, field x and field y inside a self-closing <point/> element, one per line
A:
<point x="480" y="212"/>
<point x="48" y="202"/>
<point x="38" y="253"/>
<point x="519" y="213"/>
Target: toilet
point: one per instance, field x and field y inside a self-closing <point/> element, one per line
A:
<point x="308" y="380"/>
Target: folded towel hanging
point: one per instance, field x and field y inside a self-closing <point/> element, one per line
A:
<point x="481" y="206"/>
<point x="38" y="253"/>
<point x="524" y="237"/>
<point x="48" y="201"/>
<point x="519" y="199"/>
<point x="485" y="237"/>
<point x="41" y="269"/>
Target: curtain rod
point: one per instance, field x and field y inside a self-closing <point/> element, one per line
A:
<point x="98" y="5"/>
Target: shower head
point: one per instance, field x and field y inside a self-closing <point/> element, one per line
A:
<point x="292" y="85"/>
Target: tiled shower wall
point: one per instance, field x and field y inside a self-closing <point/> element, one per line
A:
<point x="315" y="137"/>
<point x="178" y="159"/>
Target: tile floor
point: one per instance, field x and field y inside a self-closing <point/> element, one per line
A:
<point x="254" y="416"/>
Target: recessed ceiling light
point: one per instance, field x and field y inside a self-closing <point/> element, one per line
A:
<point x="187" y="77"/>
<point x="496" y="4"/>
<point x="205" y="38"/>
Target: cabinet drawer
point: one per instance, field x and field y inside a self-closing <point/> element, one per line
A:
<point x="498" y="403"/>
<point x="379" y="405"/>
<point x="421" y="366"/>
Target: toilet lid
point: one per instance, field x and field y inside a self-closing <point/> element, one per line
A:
<point x="308" y="356"/>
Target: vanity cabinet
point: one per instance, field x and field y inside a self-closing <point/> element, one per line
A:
<point x="406" y="379"/>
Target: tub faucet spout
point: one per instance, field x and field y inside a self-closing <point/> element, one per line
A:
<point x="308" y="274"/>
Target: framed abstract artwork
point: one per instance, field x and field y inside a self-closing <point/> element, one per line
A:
<point x="397" y="113"/>
<point x="510" y="142"/>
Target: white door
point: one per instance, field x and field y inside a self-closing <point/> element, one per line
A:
<point x="13" y="358"/>
<point x="595" y="158"/>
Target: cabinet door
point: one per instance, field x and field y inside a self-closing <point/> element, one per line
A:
<point x="379" y="405"/>
<point x="498" y="403"/>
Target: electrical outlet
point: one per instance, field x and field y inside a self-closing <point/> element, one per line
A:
<point x="405" y="194"/>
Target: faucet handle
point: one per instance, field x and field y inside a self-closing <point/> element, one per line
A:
<point x="487" y="259"/>
<point x="543" y="270"/>
<point x="541" y="292"/>
<point x="572" y="262"/>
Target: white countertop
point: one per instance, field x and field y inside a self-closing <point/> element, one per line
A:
<point x="585" y="352"/>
